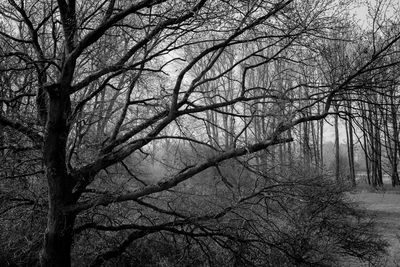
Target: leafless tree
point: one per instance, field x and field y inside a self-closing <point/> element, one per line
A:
<point x="92" y="87"/>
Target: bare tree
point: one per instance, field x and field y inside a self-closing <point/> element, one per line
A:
<point x="93" y="85"/>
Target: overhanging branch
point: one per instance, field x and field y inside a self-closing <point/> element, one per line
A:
<point x="170" y="182"/>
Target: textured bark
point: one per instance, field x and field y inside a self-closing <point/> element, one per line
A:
<point x="58" y="235"/>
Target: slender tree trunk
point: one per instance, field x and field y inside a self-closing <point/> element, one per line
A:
<point x="350" y="146"/>
<point x="337" y="148"/>
<point x="226" y="130"/>
<point x="2" y="128"/>
<point x="271" y="149"/>
<point x="372" y="150"/>
<point x="209" y="128"/>
<point x="214" y="127"/>
<point x="351" y="154"/>
<point x="321" y="140"/>
<point x="314" y="143"/>
<point x="306" y="146"/>
<point x="378" y="152"/>
<point x="395" y="174"/>
<point x="366" y="145"/>
<point x="232" y="130"/>
<point x="290" y="151"/>
<point x="281" y="157"/>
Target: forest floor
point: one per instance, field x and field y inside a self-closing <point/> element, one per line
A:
<point x="383" y="205"/>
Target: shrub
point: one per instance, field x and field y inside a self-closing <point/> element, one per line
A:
<point x="304" y="222"/>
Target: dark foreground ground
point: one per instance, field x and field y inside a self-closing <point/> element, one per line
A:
<point x="384" y="206"/>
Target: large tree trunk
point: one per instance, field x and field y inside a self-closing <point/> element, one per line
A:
<point x="59" y="231"/>
<point x="58" y="235"/>
<point x="58" y="238"/>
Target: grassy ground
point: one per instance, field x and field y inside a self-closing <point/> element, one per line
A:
<point x="384" y="206"/>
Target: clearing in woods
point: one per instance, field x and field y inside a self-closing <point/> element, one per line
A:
<point x="384" y="206"/>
